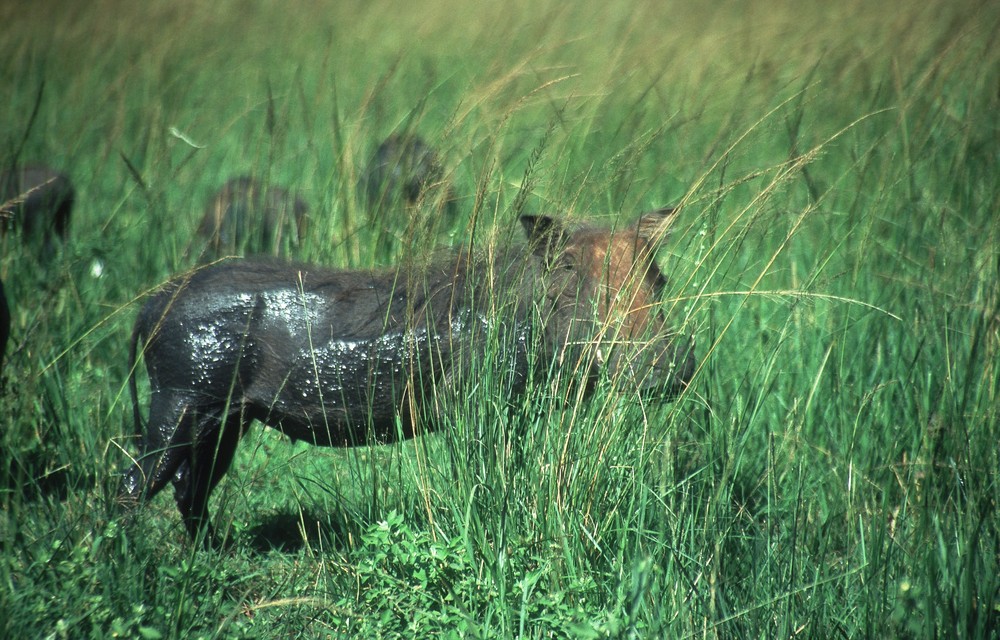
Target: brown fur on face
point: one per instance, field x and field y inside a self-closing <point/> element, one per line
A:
<point x="615" y="266"/>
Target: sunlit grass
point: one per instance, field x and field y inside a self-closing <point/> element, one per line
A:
<point x="832" y="470"/>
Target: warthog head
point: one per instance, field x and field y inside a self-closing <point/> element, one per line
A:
<point x="602" y="292"/>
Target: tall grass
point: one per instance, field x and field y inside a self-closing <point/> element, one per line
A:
<point x="833" y="469"/>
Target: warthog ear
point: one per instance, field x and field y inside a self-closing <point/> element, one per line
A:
<point x="652" y="226"/>
<point x="545" y="235"/>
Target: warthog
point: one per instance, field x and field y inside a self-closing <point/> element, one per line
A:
<point x="403" y="172"/>
<point x="403" y="166"/>
<point x="345" y="358"/>
<point x="38" y="200"/>
<point x="245" y="217"/>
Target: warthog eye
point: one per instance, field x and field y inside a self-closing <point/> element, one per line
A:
<point x="567" y="262"/>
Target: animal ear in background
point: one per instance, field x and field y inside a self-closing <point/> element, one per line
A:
<point x="546" y="235"/>
<point x="653" y="226"/>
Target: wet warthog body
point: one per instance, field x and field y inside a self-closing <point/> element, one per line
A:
<point x="38" y="200"/>
<point x="344" y="358"/>
<point x="245" y="217"/>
